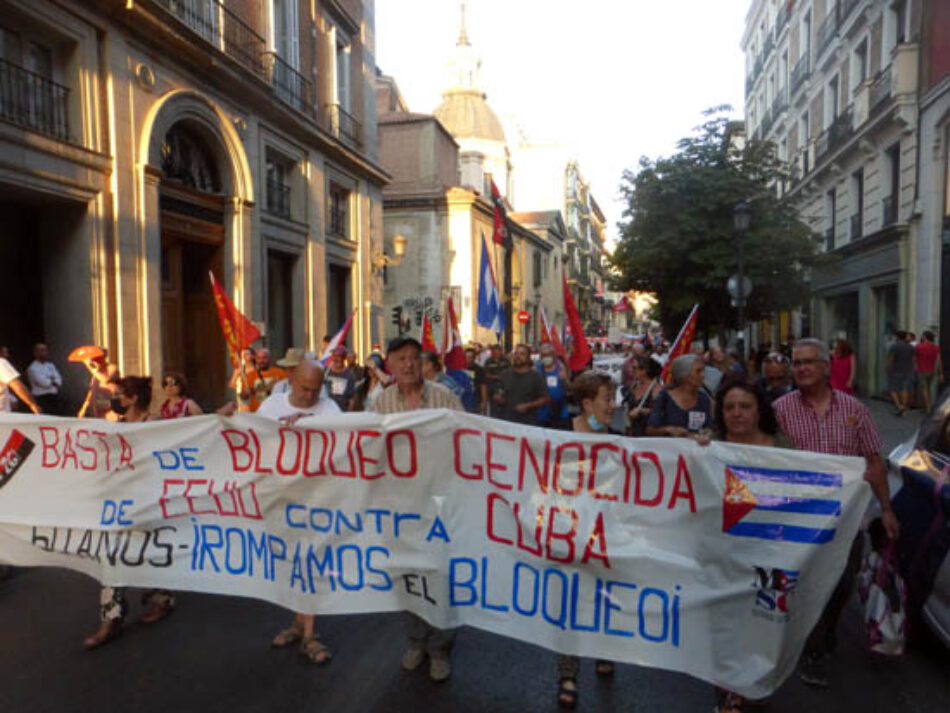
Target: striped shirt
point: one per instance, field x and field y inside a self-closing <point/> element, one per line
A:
<point x="846" y="429"/>
<point x="433" y="396"/>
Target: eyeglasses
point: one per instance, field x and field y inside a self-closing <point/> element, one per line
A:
<point x="798" y="363"/>
<point x="777" y="358"/>
<point x="172" y="382"/>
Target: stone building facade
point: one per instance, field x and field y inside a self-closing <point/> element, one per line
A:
<point x="145" y="144"/>
<point x="834" y="86"/>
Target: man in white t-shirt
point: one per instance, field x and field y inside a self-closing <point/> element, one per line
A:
<point x="10" y="380"/>
<point x="44" y="378"/>
<point x="305" y="398"/>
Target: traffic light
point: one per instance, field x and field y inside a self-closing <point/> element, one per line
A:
<point x="397" y="315"/>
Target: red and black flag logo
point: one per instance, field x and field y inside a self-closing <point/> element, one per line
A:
<point x="14" y="454"/>
<point x="500" y="226"/>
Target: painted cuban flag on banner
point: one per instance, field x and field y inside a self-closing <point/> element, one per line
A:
<point x="781" y="505"/>
<point x="491" y="312"/>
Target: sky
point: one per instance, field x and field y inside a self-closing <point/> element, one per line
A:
<point x="613" y="80"/>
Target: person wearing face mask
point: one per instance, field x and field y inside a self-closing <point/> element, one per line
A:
<point x="594" y="392"/>
<point x="131" y="403"/>
<point x="553" y="415"/>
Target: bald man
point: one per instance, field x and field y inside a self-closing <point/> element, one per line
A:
<point x="305" y="397"/>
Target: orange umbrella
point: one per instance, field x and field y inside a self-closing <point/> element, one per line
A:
<point x="85" y="353"/>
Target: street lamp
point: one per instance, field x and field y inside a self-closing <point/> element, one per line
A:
<point x="741" y="217"/>
<point x="381" y="260"/>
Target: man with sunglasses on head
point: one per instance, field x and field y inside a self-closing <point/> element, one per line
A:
<point x="818" y="418"/>
<point x="776" y="379"/>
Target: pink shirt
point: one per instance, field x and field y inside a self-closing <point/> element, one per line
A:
<point x="846" y="429"/>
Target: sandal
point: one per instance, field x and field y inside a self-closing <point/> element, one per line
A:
<point x="286" y="637"/>
<point x="108" y="630"/>
<point x="315" y="651"/>
<point x="604" y="668"/>
<point x="567" y="693"/>
<point x="156" y="612"/>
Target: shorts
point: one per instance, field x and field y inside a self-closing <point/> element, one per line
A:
<point x="901" y="382"/>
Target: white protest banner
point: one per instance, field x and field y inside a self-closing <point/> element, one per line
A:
<point x="612" y="364"/>
<point x="714" y="561"/>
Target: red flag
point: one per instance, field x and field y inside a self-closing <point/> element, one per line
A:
<point x="339" y="339"/>
<point x="500" y="229"/>
<point x="426" y="337"/>
<point x="683" y="343"/>
<point x="623" y="304"/>
<point x="549" y="334"/>
<point x="581" y="354"/>
<point x="239" y="331"/>
<point x="452" y="351"/>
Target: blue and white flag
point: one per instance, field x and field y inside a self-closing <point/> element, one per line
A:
<point x="491" y="311"/>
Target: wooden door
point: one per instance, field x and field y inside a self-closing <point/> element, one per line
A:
<point x="193" y="246"/>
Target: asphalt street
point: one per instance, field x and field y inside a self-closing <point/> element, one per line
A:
<point x="213" y="655"/>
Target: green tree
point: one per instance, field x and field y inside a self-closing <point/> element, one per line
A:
<point x="677" y="236"/>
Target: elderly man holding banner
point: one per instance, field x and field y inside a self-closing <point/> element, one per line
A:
<point x="304" y="399"/>
<point x="411" y="392"/>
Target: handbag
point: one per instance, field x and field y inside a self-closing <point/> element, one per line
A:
<point x="884" y="599"/>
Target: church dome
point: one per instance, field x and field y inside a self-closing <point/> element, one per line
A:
<point x="466" y="114"/>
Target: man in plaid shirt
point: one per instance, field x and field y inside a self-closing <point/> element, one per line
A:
<point x="818" y="418"/>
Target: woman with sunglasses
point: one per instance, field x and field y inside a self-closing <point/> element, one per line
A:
<point x="177" y="404"/>
<point x="134" y="396"/>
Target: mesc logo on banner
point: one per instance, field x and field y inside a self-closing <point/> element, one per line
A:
<point x="773" y="588"/>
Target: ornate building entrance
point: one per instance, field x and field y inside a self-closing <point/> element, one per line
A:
<point x="192" y="230"/>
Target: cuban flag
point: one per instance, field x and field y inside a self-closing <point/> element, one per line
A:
<point x="491" y="311"/>
<point x="782" y="505"/>
<point x="338" y="339"/>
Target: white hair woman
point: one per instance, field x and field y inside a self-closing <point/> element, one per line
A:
<point x="683" y="410"/>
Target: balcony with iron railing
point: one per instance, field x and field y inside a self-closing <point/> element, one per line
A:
<point x="829" y="239"/>
<point x="222" y="28"/>
<point x="828" y="30"/>
<point x="33" y="101"/>
<point x="880" y="88"/>
<point x="779" y="103"/>
<point x="344" y="125"/>
<point x="290" y="85"/>
<point x="836" y="134"/>
<point x="800" y="73"/>
<point x="856" y="226"/>
<point x="278" y="198"/>
<point x="336" y="221"/>
<point x="888" y="210"/>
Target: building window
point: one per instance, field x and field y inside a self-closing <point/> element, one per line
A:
<point x="806" y="38"/>
<point x="899" y="13"/>
<point x="831" y="101"/>
<point x="537" y="277"/>
<point x="338" y="201"/>
<point x="857" y="202"/>
<point x="28" y="94"/>
<point x="859" y="65"/>
<point x="831" y="210"/>
<point x="280" y="302"/>
<point x="279" y="172"/>
<point x="892" y="178"/>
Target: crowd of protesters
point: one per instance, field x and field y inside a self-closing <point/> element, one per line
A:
<point x="801" y="397"/>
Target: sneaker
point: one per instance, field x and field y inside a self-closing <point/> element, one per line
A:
<point x="412" y="659"/>
<point x="440" y="668"/>
<point x="814" y="670"/>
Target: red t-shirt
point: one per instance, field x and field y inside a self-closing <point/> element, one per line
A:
<point x="927" y="353"/>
